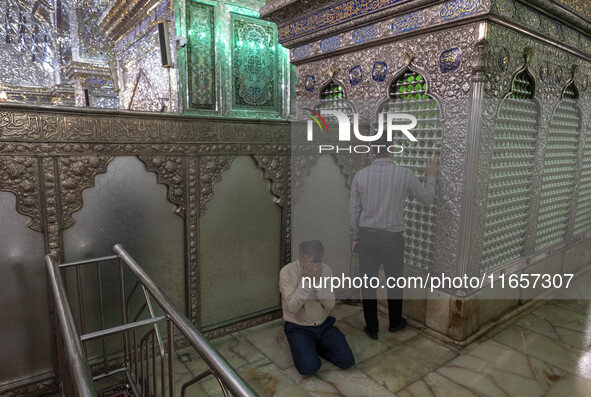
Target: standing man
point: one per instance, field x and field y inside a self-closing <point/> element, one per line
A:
<point x="309" y="329"/>
<point x="378" y="195"/>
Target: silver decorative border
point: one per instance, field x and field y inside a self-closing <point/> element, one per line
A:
<point x="64" y="149"/>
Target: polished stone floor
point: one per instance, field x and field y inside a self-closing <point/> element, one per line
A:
<point x="546" y="351"/>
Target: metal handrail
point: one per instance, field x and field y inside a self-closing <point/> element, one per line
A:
<point x="81" y="376"/>
<point x="78" y="379"/>
<point x="220" y="367"/>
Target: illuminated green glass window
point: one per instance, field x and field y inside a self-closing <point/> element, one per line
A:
<point x="511" y="171"/>
<point x="333" y="97"/>
<point x="583" y="214"/>
<point x="201" y="56"/>
<point x="408" y="94"/>
<point x="559" y="171"/>
<point x="254" y="63"/>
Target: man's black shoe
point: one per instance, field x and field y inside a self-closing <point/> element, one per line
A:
<point x="372" y="335"/>
<point x="402" y="325"/>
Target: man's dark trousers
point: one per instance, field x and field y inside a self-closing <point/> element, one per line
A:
<point x="375" y="248"/>
<point x="309" y="342"/>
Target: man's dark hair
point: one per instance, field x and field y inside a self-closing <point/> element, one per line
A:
<point x="313" y="248"/>
<point x="383" y="143"/>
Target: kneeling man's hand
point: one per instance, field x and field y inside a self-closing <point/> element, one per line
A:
<point x="312" y="269"/>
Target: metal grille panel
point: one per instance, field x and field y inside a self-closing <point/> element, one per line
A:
<point x="408" y="94"/>
<point x="511" y="171"/>
<point x="583" y="215"/>
<point x="559" y="171"/>
<point x="332" y="97"/>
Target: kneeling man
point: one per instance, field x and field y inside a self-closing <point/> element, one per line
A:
<point x="309" y="329"/>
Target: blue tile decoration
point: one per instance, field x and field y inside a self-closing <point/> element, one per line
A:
<point x="301" y="52"/>
<point x="310" y="83"/>
<point x="544" y="71"/>
<point x="531" y="19"/>
<point x="95" y="81"/>
<point x="553" y="29"/>
<point x="145" y="23"/>
<point x="506" y="8"/>
<point x="162" y="8"/>
<point x="380" y="69"/>
<point x="558" y="75"/>
<point x="330" y="16"/>
<point x="355" y="75"/>
<point x="407" y="23"/>
<point x="364" y="34"/>
<point x="504" y="58"/>
<point x="450" y="60"/>
<point x="330" y="44"/>
<point x="458" y="8"/>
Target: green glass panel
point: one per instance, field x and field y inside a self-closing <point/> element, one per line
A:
<point x="408" y="94"/>
<point x="201" y="56"/>
<point x="559" y="171"/>
<point x="332" y="96"/>
<point x="254" y="61"/>
<point x="583" y="211"/>
<point x="510" y="176"/>
<point x="242" y="10"/>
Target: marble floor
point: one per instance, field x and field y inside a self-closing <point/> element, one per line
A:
<point x="545" y="351"/>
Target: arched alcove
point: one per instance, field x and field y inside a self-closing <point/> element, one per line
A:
<point x="333" y="96"/>
<point x="583" y="214"/>
<point x="511" y="173"/>
<point x="408" y="93"/>
<point x="26" y="338"/>
<point x="322" y="213"/>
<point x="240" y="247"/>
<point x="125" y="206"/>
<point x="560" y="163"/>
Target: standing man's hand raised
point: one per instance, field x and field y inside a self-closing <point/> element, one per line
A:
<point x="431" y="169"/>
